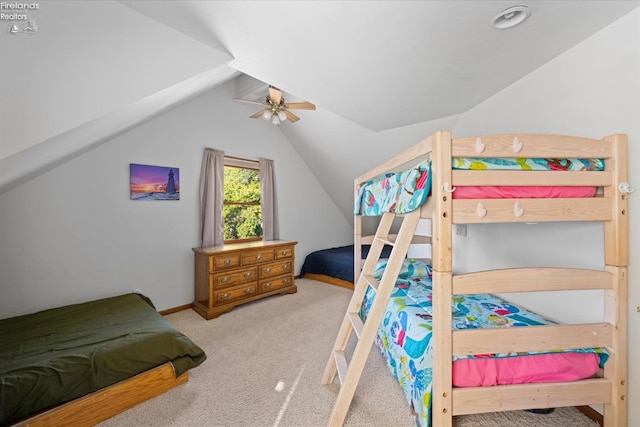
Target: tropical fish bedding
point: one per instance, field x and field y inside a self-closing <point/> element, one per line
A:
<point x="405" y="191"/>
<point x="400" y="192"/>
<point x="404" y="340"/>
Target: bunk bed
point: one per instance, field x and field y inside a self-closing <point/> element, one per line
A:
<point x="449" y="182"/>
<point x="83" y="363"/>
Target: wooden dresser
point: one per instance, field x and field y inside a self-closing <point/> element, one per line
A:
<point x="229" y="275"/>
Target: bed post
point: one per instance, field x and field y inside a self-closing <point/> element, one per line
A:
<point x="441" y="396"/>
<point x="617" y="230"/>
<point x="357" y="247"/>
<point x="616" y="242"/>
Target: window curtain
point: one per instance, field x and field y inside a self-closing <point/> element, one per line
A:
<point x="211" y="198"/>
<point x="268" y="200"/>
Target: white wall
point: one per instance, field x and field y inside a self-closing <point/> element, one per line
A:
<point x="592" y="90"/>
<point x="72" y="234"/>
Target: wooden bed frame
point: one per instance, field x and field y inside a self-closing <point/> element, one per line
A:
<point x="328" y="279"/>
<point x="105" y="403"/>
<point x="609" y="208"/>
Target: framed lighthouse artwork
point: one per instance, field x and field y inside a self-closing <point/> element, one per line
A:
<point x="154" y="182"/>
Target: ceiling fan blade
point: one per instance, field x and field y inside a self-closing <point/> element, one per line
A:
<point x="290" y="116"/>
<point x="301" y="106"/>
<point x="275" y="95"/>
<point x="248" y="101"/>
<point x="258" y="114"/>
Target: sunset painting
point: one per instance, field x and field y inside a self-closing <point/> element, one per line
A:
<point x="154" y="182"/>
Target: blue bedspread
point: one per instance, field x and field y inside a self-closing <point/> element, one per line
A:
<point x="336" y="262"/>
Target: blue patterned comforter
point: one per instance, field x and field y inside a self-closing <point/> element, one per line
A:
<point x="406" y="191"/>
<point x="404" y="336"/>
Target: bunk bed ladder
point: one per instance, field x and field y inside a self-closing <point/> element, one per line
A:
<point x="349" y="372"/>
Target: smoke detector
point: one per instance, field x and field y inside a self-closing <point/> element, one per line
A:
<point x="510" y="17"/>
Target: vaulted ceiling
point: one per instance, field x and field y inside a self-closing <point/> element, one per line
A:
<point x="386" y="64"/>
<point x="374" y="65"/>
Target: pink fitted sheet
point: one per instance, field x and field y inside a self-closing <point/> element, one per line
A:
<point x="518" y="192"/>
<point x="533" y="368"/>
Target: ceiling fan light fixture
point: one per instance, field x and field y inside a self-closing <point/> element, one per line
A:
<point x="275" y="109"/>
<point x="510" y="17"/>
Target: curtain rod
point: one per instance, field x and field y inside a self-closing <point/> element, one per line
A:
<point x="242" y="158"/>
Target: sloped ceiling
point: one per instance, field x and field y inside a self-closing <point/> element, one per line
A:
<point x="371" y="67"/>
<point x="386" y="64"/>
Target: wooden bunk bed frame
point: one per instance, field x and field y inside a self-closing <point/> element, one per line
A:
<point x="103" y="404"/>
<point x="609" y="208"/>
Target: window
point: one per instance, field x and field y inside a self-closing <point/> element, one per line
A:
<point x="241" y="212"/>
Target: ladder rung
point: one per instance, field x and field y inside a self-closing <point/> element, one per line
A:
<point x="372" y="281"/>
<point x="356" y="322"/>
<point x="417" y="239"/>
<point x="341" y="365"/>
<point x="385" y="241"/>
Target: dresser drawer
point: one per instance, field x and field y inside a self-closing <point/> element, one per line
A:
<point x="284" y="252"/>
<point x="231" y="295"/>
<point x="234" y="274"/>
<point x="251" y="258"/>
<point x="217" y="263"/>
<point x="234" y="278"/>
<point x="272" y="285"/>
<point x="276" y="269"/>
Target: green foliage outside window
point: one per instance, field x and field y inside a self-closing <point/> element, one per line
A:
<point x="241" y="211"/>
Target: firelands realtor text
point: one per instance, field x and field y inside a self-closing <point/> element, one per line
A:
<point x="10" y="11"/>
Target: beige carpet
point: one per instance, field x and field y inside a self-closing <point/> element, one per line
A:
<point x="265" y="361"/>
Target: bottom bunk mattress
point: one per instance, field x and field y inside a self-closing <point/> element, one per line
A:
<point x="336" y="262"/>
<point x="57" y="355"/>
<point x="404" y="339"/>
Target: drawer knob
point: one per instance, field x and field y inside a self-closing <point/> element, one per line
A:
<point x="285" y="252"/>
<point x="248" y="274"/>
<point x="267" y="270"/>
<point x="267" y="285"/>
<point x="259" y="257"/>
<point x="225" y="296"/>
<point x="285" y="267"/>
<point x="224" y="279"/>
<point x="227" y="261"/>
<point x="248" y="291"/>
<point x="285" y="280"/>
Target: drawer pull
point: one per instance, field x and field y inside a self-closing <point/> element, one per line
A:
<point x="285" y="266"/>
<point x="227" y="261"/>
<point x="267" y="285"/>
<point x="286" y="280"/>
<point x="225" y="296"/>
<point x="224" y="279"/>
<point x="267" y="270"/>
<point x="248" y="274"/>
<point x="285" y="253"/>
<point x="248" y="291"/>
<point x="259" y="257"/>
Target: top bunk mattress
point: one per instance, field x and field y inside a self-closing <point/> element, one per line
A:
<point x="402" y="192"/>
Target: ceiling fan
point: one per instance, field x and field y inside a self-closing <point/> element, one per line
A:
<point x="275" y="109"/>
